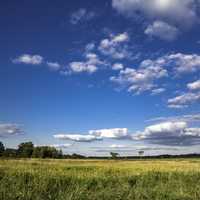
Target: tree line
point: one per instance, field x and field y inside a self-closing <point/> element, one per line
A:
<point x="28" y="150"/>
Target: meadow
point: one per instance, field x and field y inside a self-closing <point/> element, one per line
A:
<point x="48" y="179"/>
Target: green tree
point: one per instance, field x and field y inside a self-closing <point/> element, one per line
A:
<point x="114" y="155"/>
<point x="2" y="148"/>
<point x="46" y="152"/>
<point x="12" y="153"/>
<point x="25" y="150"/>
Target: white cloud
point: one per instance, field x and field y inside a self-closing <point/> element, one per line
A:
<point x="170" y="133"/>
<point x="61" y="146"/>
<point x="81" y="15"/>
<point x="10" y="130"/>
<point x="29" y="59"/>
<point x="115" y="46"/>
<point x="162" y="30"/>
<point x="194" y="86"/>
<point x="117" y="146"/>
<point x="158" y="91"/>
<point x="53" y="65"/>
<point x="115" y="133"/>
<point x="142" y="79"/>
<point x="90" y="65"/>
<point x="117" y="66"/>
<point x="78" y="67"/>
<point x="184" y="63"/>
<point x="184" y="100"/>
<point x="179" y="62"/>
<point x="174" y="11"/>
<point x="123" y="37"/>
<point x="77" y="137"/>
<point x="185" y="118"/>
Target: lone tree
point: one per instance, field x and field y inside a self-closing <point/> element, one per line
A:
<point x="114" y="155"/>
<point x="141" y="153"/>
<point x="2" y="148"/>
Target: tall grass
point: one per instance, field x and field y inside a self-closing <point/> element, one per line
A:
<point x="102" y="180"/>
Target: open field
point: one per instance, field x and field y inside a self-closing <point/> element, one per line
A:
<point x="175" y="179"/>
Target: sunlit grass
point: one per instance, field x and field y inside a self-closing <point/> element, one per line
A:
<point x="100" y="179"/>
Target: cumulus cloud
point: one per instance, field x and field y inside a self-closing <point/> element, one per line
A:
<point x="117" y="66"/>
<point x="174" y="11"/>
<point x="81" y="15"/>
<point x="77" y="137"/>
<point x="141" y="79"/>
<point x="89" y="66"/>
<point x="194" y="85"/>
<point x="115" y="46"/>
<point x="184" y="63"/>
<point x="162" y="30"/>
<point x="7" y="130"/>
<point x="115" y="133"/>
<point x="170" y="133"/>
<point x="29" y="59"/>
<point x="180" y="63"/>
<point x="184" y="100"/>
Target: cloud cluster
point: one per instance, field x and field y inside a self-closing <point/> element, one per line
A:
<point x="184" y="100"/>
<point x="81" y="15"/>
<point x="90" y="65"/>
<point x="7" y="130"/>
<point x="116" y="133"/>
<point x="166" y="15"/>
<point x="115" y="46"/>
<point x="141" y="79"/>
<point x="170" y="133"/>
<point x="29" y="59"/>
<point x="77" y="137"/>
<point x="171" y="10"/>
<point x="184" y="63"/>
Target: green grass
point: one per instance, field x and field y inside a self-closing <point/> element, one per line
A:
<point x="103" y="180"/>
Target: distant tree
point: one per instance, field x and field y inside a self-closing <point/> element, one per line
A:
<point x="141" y="153"/>
<point x="25" y="150"/>
<point x="46" y="152"/>
<point x="114" y="155"/>
<point x="2" y="148"/>
<point x="10" y="153"/>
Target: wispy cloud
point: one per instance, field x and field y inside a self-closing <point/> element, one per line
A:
<point x="8" y="129"/>
<point x="184" y="100"/>
<point x="81" y="15"/>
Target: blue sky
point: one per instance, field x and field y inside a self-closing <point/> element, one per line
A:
<point x="97" y="76"/>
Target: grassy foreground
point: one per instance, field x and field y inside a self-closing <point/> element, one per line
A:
<point x="103" y="180"/>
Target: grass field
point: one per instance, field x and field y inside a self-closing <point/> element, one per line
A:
<point x="98" y="179"/>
